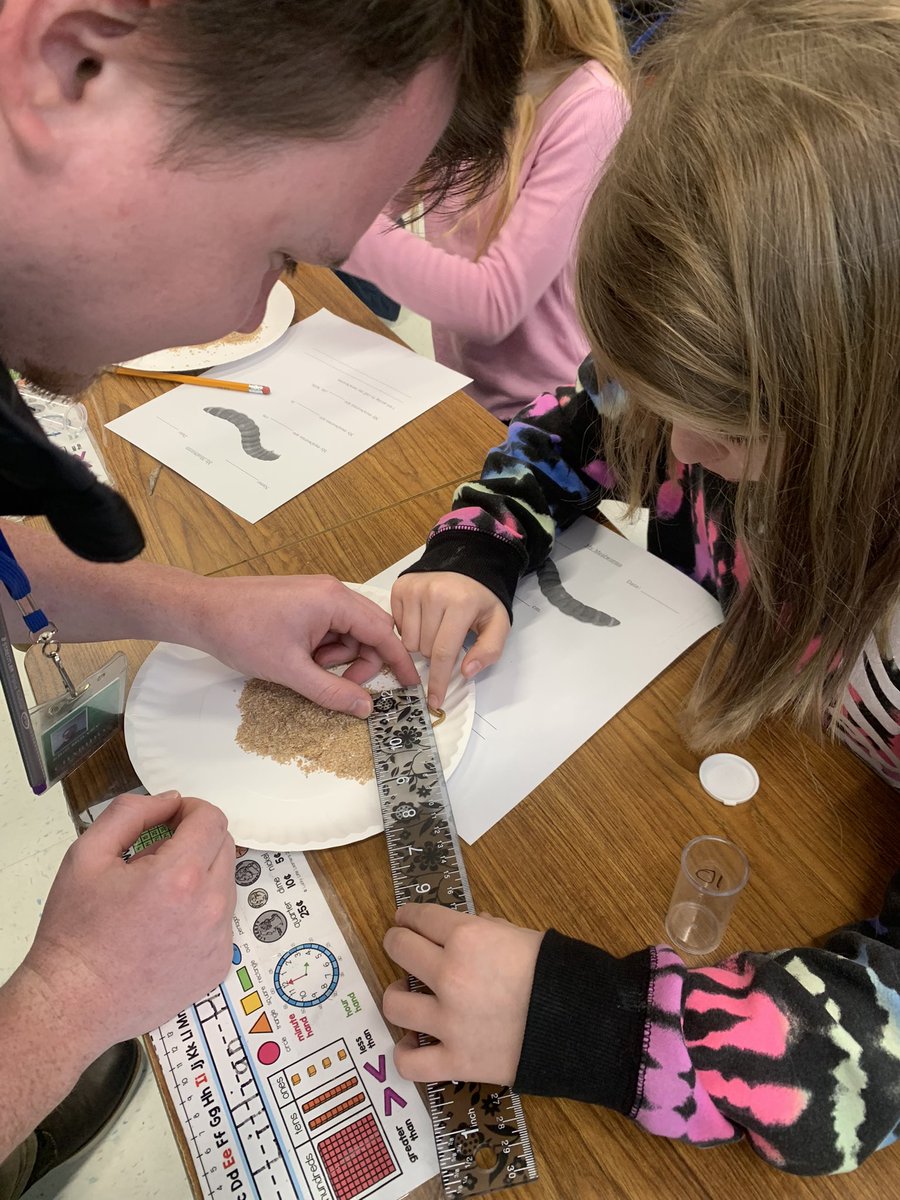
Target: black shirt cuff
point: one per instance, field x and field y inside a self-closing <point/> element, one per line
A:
<point x="480" y="556"/>
<point x="584" y="1036"/>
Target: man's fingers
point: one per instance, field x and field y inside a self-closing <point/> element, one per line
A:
<point x="394" y="654"/>
<point x="199" y="834"/>
<point x="123" y="822"/>
<point x="364" y="620"/>
<point x="366" y="664"/>
<point x="332" y="691"/>
<point x="336" y="651"/>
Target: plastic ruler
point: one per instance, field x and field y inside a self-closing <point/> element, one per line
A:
<point x="480" y="1132"/>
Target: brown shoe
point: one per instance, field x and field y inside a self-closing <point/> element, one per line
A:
<point x="90" y="1108"/>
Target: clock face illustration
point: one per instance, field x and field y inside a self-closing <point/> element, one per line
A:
<point x="307" y="975"/>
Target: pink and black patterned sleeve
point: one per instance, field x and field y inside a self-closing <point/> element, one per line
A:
<point x="798" y="1051"/>
<point x="546" y="473"/>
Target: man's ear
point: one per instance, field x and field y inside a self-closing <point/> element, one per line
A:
<point x="52" y="53"/>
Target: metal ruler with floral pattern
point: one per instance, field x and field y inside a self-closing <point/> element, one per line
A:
<point x="482" y="1141"/>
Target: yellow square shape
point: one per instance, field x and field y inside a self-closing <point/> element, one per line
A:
<point x="251" y="1003"/>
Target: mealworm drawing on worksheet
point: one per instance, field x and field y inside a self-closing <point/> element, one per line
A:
<point x="249" y="431"/>
<point x="554" y="590"/>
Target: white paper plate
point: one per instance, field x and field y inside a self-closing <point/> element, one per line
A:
<point x="180" y="723"/>
<point x="279" y="315"/>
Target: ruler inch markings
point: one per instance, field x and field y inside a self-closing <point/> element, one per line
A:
<point x="480" y="1134"/>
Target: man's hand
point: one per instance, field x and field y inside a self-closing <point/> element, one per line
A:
<point x="480" y="971"/>
<point x="126" y="946"/>
<point x="288" y="629"/>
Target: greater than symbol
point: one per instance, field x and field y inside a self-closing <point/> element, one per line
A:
<point x="251" y="1003"/>
<point x="244" y="979"/>
<point x="390" y="1099"/>
<point x="263" y="1025"/>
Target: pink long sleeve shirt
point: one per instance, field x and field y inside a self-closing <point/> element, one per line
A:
<point x="508" y="320"/>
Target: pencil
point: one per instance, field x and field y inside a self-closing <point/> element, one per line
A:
<point x="258" y="389"/>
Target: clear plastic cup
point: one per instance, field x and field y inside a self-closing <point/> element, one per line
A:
<point x="712" y="875"/>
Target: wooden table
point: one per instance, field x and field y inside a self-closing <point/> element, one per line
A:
<point x="444" y="445"/>
<point x="609" y="824"/>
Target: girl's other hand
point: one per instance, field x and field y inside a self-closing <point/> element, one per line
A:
<point x="479" y="971"/>
<point x="435" y="610"/>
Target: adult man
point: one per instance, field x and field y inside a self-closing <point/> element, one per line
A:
<point x="160" y="164"/>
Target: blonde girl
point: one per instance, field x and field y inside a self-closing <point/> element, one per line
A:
<point x="496" y="283"/>
<point x="739" y="280"/>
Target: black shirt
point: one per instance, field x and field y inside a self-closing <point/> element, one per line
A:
<point x="37" y="477"/>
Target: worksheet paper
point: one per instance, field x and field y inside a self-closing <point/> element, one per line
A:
<point x="337" y="390"/>
<point x="590" y="631"/>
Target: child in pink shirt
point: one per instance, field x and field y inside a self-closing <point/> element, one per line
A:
<point x="496" y="281"/>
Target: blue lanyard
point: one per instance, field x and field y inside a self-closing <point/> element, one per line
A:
<point x="16" y="583"/>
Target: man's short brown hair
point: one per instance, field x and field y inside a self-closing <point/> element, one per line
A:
<point x="250" y="71"/>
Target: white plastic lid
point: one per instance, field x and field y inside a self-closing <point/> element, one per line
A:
<point x="729" y="778"/>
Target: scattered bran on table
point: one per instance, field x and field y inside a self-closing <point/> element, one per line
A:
<point x="278" y="723"/>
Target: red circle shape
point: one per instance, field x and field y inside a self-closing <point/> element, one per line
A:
<point x="268" y="1053"/>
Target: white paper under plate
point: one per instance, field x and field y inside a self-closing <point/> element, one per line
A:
<point x="279" y="314"/>
<point x="180" y="723"/>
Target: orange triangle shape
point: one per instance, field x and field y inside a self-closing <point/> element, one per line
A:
<point x="262" y="1025"/>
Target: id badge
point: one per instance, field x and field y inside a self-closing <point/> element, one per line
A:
<point x="69" y="729"/>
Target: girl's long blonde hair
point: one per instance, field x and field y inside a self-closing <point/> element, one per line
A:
<point x="560" y="35"/>
<point x="739" y="274"/>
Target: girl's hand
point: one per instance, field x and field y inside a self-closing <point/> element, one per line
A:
<point x="434" y="612"/>
<point x="480" y="971"/>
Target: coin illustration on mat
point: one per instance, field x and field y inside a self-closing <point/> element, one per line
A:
<point x="247" y="873"/>
<point x="257" y="898"/>
<point x="270" y="926"/>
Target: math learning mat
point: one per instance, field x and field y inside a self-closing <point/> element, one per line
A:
<point x="283" y="1078"/>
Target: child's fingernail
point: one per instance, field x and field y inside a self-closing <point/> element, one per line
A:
<point x="471" y="669"/>
<point x="171" y="795"/>
<point x="361" y="707"/>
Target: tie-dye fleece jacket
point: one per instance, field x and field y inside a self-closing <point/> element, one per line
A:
<point x="797" y="1050"/>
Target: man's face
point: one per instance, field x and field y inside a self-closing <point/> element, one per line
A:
<point x="119" y="254"/>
